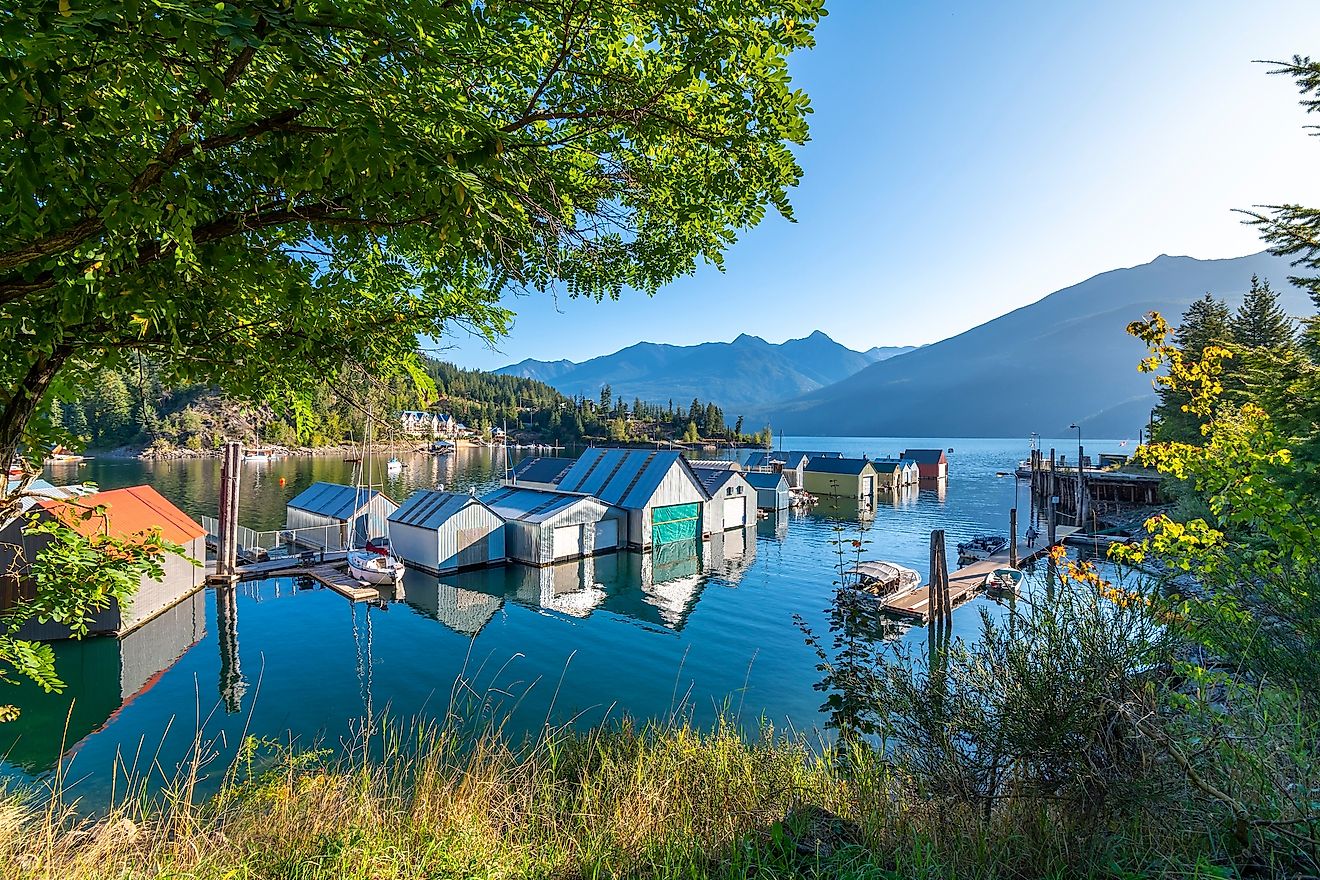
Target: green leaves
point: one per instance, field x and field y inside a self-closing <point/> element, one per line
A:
<point x="256" y="194"/>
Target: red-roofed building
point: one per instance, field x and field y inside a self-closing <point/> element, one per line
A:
<point x="932" y="464"/>
<point x="130" y="512"/>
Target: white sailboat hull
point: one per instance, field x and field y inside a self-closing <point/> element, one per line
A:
<point x="374" y="568"/>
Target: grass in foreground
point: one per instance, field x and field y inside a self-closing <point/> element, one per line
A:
<point x="621" y="802"/>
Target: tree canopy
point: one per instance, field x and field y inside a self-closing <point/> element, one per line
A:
<point x="1260" y="322"/>
<point x="253" y="194"/>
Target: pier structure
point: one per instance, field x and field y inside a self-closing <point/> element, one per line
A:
<point x="922" y="604"/>
<point x="1101" y="491"/>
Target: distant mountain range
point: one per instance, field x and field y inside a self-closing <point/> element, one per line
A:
<point x="1065" y="358"/>
<point x="745" y="374"/>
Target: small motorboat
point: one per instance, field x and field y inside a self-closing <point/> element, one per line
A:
<point x="981" y="547"/>
<point x="374" y="568"/>
<point x="1003" y="581"/>
<point x="881" y="578"/>
<point x="394" y="467"/>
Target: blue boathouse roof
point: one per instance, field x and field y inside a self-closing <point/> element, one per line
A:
<point x="851" y="466"/>
<point x="542" y="469"/>
<point x="334" y="500"/>
<point x="431" y="508"/>
<point x="625" y="478"/>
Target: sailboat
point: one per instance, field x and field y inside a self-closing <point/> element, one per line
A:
<point x="375" y="565"/>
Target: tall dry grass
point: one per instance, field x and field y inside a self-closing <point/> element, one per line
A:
<point x="622" y="801"/>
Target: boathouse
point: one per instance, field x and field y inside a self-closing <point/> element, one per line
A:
<point x="540" y="472"/>
<point x="733" y="500"/>
<point x="440" y="532"/>
<point x="542" y="527"/>
<point x="331" y="516"/>
<point x="932" y="464"/>
<point x="911" y="473"/>
<point x="771" y="490"/>
<point x="664" y="499"/>
<point x="840" y="477"/>
<point x="888" y="474"/>
<point x="128" y="513"/>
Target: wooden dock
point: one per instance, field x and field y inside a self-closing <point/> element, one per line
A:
<point x="328" y="570"/>
<point x="964" y="583"/>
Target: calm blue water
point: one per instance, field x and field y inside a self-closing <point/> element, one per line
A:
<point x="702" y="630"/>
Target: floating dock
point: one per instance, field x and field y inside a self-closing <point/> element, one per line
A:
<point x="328" y="569"/>
<point x="964" y="583"/>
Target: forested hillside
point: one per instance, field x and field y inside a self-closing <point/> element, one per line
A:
<point x="134" y="409"/>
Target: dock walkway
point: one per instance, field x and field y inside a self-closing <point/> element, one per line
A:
<point x="327" y="570"/>
<point x="964" y="583"/>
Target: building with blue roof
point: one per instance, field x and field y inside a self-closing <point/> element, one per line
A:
<point x="733" y="501"/>
<point x="542" y="527"/>
<point x="771" y="489"/>
<point x="331" y="516"/>
<point x="440" y="532"/>
<point x="540" y="472"/>
<point x="664" y="499"/>
<point x="841" y="478"/>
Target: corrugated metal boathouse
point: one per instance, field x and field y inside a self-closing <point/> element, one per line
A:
<point x="446" y="531"/>
<point x="542" y="527"/>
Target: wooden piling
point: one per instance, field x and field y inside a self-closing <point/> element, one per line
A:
<point x="1012" y="540"/>
<point x="226" y="561"/>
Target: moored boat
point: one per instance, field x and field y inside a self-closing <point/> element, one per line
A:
<point x="881" y="578"/>
<point x="981" y="547"/>
<point x="374" y="568"/>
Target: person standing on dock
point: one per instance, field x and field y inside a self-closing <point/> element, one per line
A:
<point x="1031" y="536"/>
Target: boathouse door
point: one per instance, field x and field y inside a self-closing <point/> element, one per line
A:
<point x="569" y="542"/>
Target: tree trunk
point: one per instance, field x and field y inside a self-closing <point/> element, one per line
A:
<point x="25" y="399"/>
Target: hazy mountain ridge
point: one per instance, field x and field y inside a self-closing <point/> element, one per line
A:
<point x="1064" y="358"/>
<point x="744" y="374"/>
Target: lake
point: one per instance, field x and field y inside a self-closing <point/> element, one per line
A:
<point x="703" y="631"/>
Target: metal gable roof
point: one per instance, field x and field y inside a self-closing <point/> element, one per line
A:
<point x="848" y="466"/>
<point x="431" y="508"/>
<point x="531" y="505"/>
<point x="886" y="465"/>
<point x="542" y="469"/>
<point x="334" y="499"/>
<point x="714" y="478"/>
<point x="624" y="477"/>
<point x="760" y="480"/>
<point x="925" y="456"/>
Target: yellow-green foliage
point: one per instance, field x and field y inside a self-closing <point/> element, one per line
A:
<point x="616" y="802"/>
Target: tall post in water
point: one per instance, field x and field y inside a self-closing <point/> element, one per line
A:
<point x="226" y="558"/>
<point x="935" y="596"/>
<point x="1012" y="541"/>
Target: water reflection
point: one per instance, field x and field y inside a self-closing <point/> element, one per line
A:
<point x="659" y="588"/>
<point x="102" y="675"/>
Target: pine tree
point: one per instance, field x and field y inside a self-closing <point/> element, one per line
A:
<point x="606" y="398"/>
<point x="1260" y="322"/>
<point x="1206" y="322"/>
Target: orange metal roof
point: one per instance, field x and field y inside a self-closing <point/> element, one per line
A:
<point x="129" y="512"/>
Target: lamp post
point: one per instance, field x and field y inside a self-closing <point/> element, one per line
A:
<point x="1012" y="519"/>
<point x="1081" y="480"/>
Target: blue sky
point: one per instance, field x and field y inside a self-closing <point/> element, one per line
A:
<point x="969" y="158"/>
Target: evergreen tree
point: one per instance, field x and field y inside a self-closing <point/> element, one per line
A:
<point x="1260" y="322"/>
<point x="606" y="397"/>
<point x="1206" y="322"/>
<point x="109" y="409"/>
<point x="737" y="427"/>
